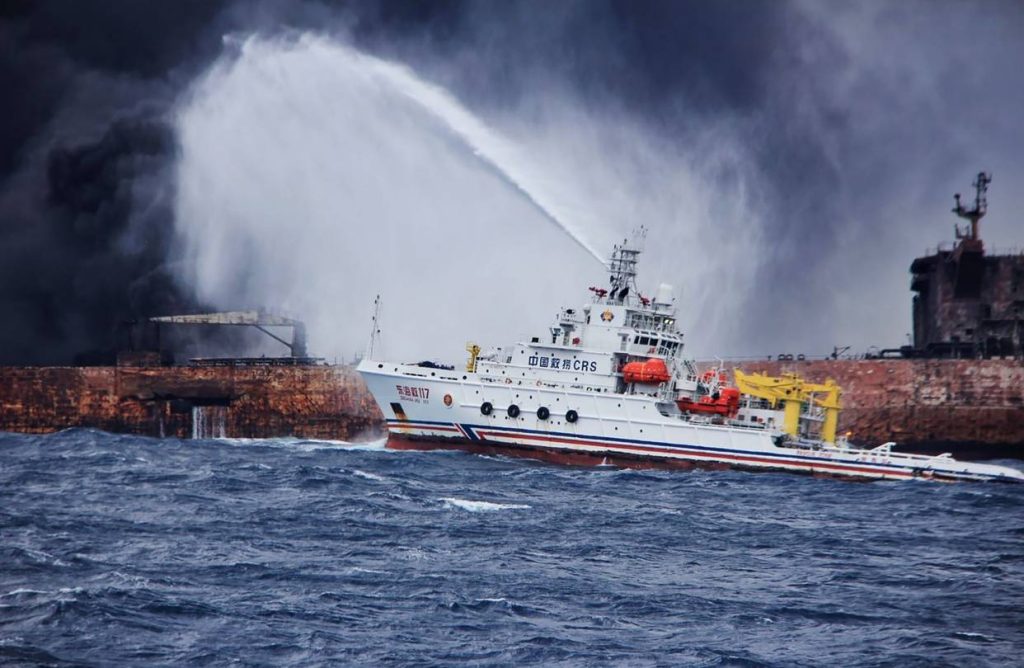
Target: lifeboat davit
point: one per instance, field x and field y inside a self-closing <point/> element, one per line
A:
<point x="652" y="371"/>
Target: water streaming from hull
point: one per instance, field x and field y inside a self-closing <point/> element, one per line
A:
<point x="209" y="422"/>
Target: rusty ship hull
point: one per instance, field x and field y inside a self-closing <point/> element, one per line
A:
<point x="971" y="408"/>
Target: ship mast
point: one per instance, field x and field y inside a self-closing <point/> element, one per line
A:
<point x="977" y="212"/>
<point x="374" y="330"/>
<point x="622" y="266"/>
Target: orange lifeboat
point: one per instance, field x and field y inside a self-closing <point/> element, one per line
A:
<point x="724" y="402"/>
<point x="652" y="371"/>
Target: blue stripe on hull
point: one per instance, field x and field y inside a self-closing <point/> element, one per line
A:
<point x="611" y="440"/>
<point x="779" y="458"/>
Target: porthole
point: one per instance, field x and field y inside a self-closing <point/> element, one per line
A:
<point x="513" y="411"/>
<point x="543" y="413"/>
<point x="571" y="416"/>
<point x="486" y="408"/>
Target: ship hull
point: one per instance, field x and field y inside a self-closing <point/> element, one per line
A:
<point x="428" y="409"/>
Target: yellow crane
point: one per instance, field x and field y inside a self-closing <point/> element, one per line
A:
<point x="474" y="352"/>
<point x="793" y="392"/>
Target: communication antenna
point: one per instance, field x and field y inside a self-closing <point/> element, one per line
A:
<point x="374" y="329"/>
<point x="977" y="212"/>
<point x="622" y="266"/>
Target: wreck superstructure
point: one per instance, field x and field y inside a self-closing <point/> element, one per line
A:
<point x="969" y="304"/>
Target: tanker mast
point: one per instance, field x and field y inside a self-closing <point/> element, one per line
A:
<point x="977" y="212"/>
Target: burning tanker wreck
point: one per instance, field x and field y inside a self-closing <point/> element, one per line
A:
<point x="96" y="158"/>
<point x="962" y="392"/>
<point x="146" y="392"/>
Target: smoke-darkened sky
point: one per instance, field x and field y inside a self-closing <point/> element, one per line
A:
<point x="850" y="125"/>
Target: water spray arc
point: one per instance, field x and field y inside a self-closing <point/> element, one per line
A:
<point x="486" y="144"/>
<point x="312" y="177"/>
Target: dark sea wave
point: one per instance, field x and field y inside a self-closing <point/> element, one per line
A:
<point x="120" y="550"/>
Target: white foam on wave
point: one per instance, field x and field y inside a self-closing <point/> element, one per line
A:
<point x="307" y="445"/>
<point x="17" y="592"/>
<point x="482" y="506"/>
<point x="968" y="635"/>
<point x="369" y="476"/>
<point x="359" y="569"/>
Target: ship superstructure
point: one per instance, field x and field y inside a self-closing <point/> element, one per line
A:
<point x="969" y="301"/>
<point x="608" y="384"/>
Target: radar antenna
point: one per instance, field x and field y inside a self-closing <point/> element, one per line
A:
<point x="977" y="212"/>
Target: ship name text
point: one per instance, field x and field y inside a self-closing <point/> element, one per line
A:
<point x="413" y="393"/>
<point x="562" y="364"/>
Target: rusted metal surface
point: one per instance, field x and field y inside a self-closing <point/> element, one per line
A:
<point x="328" y="402"/>
<point x="974" y="406"/>
<point x="927" y="405"/>
<point x="969" y="304"/>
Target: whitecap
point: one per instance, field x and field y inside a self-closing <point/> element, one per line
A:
<point x="359" y="569"/>
<point x="17" y="592"/>
<point x="368" y="476"/>
<point x="967" y="635"/>
<point x="306" y="445"/>
<point x="482" y="506"/>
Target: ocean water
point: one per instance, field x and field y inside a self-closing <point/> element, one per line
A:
<point x="120" y="550"/>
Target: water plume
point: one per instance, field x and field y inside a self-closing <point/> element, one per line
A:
<point x="313" y="176"/>
<point x="492" y="148"/>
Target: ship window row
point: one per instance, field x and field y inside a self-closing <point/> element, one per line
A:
<point x="666" y="346"/>
<point x="644" y="321"/>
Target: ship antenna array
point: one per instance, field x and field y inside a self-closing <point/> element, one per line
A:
<point x="622" y="266"/>
<point x="374" y="329"/>
<point x="977" y="212"/>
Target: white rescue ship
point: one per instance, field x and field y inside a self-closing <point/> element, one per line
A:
<point x="608" y="385"/>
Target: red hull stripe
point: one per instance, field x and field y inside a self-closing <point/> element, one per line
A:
<point x="497" y="436"/>
<point x="793" y="460"/>
<point x="697" y="454"/>
<point x="422" y="426"/>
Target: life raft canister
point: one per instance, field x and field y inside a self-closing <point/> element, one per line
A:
<point x="653" y="370"/>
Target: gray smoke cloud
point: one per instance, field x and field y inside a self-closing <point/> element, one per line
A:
<point x="790" y="158"/>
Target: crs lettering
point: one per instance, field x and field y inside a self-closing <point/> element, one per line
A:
<point x="562" y="364"/>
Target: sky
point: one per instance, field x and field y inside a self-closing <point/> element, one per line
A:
<point x="467" y="160"/>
